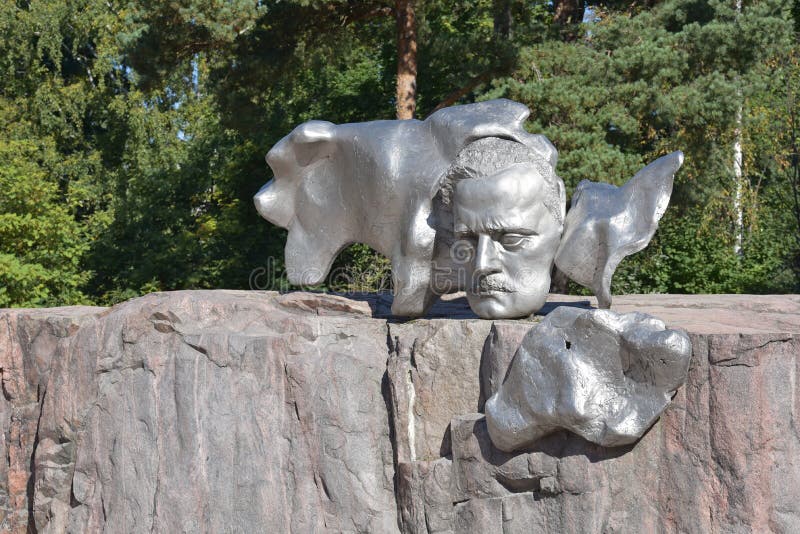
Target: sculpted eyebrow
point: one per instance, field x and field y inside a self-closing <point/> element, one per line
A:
<point x="493" y="226"/>
<point x="518" y="230"/>
<point x="466" y="232"/>
<point x="498" y="226"/>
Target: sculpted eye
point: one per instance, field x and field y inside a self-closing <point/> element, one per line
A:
<point x="514" y="241"/>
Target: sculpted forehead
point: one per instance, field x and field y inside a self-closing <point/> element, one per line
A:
<point x="511" y="198"/>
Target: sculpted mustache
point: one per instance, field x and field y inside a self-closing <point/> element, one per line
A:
<point x="492" y="284"/>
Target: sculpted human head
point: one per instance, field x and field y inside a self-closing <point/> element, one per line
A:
<point x="509" y="222"/>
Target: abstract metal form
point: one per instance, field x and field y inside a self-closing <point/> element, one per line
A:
<point x="606" y="223"/>
<point x="602" y="375"/>
<point x="465" y="200"/>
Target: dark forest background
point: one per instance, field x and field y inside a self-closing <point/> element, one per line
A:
<point x="133" y="133"/>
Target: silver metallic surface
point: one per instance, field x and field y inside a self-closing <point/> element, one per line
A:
<point x="602" y="375"/>
<point x="464" y="200"/>
<point x="606" y="223"/>
<point x="374" y="183"/>
<point x="499" y="221"/>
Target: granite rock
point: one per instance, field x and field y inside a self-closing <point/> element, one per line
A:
<point x="498" y="351"/>
<point x="198" y="411"/>
<point x="433" y="373"/>
<point x="252" y="411"/>
<point x="425" y="496"/>
<point x="724" y="457"/>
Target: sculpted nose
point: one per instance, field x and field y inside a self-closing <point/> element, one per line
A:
<point x="486" y="260"/>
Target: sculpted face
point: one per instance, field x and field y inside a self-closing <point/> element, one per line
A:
<point x="511" y="238"/>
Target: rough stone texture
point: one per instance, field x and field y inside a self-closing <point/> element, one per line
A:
<point x="29" y="342"/>
<point x="433" y="375"/>
<point x="708" y="314"/>
<point x="197" y="411"/>
<point x="249" y="411"/>
<point x="425" y="496"/>
<point x="725" y="456"/>
<point x="501" y="345"/>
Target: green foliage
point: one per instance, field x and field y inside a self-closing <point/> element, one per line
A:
<point x="132" y="132"/>
<point x="638" y="87"/>
<point x="55" y="82"/>
<point x="41" y="243"/>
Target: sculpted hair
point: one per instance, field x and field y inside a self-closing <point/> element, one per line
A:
<point x="490" y="155"/>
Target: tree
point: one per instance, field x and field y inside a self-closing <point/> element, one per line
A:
<point x="286" y="63"/>
<point x="133" y="132"/>
<point x="638" y="86"/>
<point x="41" y="243"/>
<point x="406" y="59"/>
<point x="57" y="83"/>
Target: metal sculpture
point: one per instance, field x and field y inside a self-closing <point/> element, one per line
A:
<point x="602" y="375"/>
<point x="606" y="223"/>
<point x="374" y="183"/>
<point x="465" y="200"/>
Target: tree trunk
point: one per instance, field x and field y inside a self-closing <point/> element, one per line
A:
<point x="738" y="208"/>
<point x="737" y="168"/>
<point x="406" y="59"/>
<point x="502" y="18"/>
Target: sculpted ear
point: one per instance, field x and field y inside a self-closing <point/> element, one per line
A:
<point x="606" y="223"/>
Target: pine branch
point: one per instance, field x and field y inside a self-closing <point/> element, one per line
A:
<point x="463" y="91"/>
